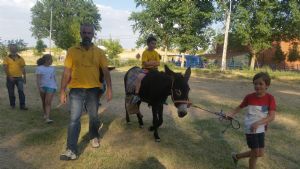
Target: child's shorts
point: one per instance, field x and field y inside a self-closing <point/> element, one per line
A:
<point x="256" y="140"/>
<point x="48" y="90"/>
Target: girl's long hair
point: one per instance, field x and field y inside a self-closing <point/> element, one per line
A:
<point x="43" y="59"/>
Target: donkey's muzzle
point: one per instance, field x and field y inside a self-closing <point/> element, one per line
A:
<point x="182" y="114"/>
<point x="182" y="110"/>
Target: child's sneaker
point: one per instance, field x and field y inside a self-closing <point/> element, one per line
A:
<point x="234" y="158"/>
<point x="48" y="121"/>
<point x="95" y="143"/>
<point x="135" y="99"/>
<point x="68" y="155"/>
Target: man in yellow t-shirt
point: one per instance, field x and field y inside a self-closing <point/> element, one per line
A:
<point x="150" y="61"/>
<point x="81" y="75"/>
<point x="14" y="67"/>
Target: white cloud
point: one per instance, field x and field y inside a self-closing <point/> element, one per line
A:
<point x="15" y="18"/>
<point x="115" y="24"/>
<point x="17" y="3"/>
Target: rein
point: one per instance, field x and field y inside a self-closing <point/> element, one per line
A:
<point x="235" y="124"/>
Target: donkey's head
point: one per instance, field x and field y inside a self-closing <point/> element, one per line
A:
<point x="180" y="90"/>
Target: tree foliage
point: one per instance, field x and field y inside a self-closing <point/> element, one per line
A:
<point x="20" y="43"/>
<point x="40" y="46"/>
<point x="287" y="20"/>
<point x="3" y="49"/>
<point x="67" y="17"/>
<point x="259" y="23"/>
<point x="279" y="56"/>
<point x="21" y="46"/>
<point x="175" y="24"/>
<point x="113" y="48"/>
<point x="294" y="54"/>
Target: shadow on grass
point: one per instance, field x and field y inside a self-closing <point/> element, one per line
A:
<point x="204" y="147"/>
<point x="149" y="163"/>
<point x="106" y="120"/>
<point x="9" y="160"/>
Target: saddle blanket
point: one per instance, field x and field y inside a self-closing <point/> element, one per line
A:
<point x="131" y="79"/>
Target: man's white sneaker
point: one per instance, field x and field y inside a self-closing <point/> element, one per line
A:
<point x="234" y="158"/>
<point x="68" y="155"/>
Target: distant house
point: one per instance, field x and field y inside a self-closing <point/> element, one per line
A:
<point x="236" y="57"/>
<point x="265" y="58"/>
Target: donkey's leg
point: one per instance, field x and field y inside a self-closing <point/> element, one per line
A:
<point x="127" y="115"/>
<point x="155" y="123"/>
<point x="140" y="116"/>
<point x="160" y="115"/>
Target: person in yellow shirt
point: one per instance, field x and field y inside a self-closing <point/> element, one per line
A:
<point x="150" y="62"/>
<point x="81" y="76"/>
<point x="14" y="67"/>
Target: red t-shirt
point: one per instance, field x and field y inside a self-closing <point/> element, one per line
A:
<point x="258" y="108"/>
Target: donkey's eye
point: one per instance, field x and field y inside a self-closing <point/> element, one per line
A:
<point x="178" y="92"/>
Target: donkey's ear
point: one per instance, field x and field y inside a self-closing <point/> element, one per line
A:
<point x="187" y="74"/>
<point x="168" y="70"/>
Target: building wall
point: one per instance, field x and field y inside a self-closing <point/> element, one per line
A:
<point x="266" y="57"/>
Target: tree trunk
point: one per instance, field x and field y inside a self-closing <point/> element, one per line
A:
<point x="182" y="60"/>
<point x="223" y="65"/>
<point x="253" y="59"/>
<point x="165" y="57"/>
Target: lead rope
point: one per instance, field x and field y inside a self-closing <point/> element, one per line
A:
<point x="222" y="117"/>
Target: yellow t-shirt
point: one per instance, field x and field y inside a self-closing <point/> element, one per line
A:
<point x="15" y="66"/>
<point x="150" y="56"/>
<point x="85" y="65"/>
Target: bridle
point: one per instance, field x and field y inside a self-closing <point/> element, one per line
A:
<point x="188" y="102"/>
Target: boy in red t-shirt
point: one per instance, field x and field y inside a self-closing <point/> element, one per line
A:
<point x="261" y="111"/>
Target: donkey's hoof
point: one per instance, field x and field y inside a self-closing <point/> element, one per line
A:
<point x="157" y="140"/>
<point x="141" y="126"/>
<point x="151" y="128"/>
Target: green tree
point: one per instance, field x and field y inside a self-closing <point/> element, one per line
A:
<point x="253" y="23"/>
<point x="21" y="45"/>
<point x="174" y="23"/>
<point x="294" y="53"/>
<point x="259" y="23"/>
<point x="287" y="19"/>
<point x="279" y="55"/>
<point x="67" y="17"/>
<point x="113" y="48"/>
<point x="3" y="49"/>
<point x="40" y="46"/>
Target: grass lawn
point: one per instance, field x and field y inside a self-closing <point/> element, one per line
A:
<point x="194" y="142"/>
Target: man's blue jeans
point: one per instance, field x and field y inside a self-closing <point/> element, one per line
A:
<point x="78" y="99"/>
<point x="10" y="84"/>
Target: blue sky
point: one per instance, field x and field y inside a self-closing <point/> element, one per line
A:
<point x="15" y="18"/>
<point x="118" y="4"/>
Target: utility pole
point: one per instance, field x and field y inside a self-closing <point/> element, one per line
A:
<point x="50" y="32"/>
<point x="228" y="12"/>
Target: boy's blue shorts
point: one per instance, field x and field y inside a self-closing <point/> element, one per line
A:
<point x="256" y="140"/>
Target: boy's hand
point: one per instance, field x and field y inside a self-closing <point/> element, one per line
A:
<point x="229" y="116"/>
<point x="254" y="126"/>
<point x="63" y="97"/>
<point x="108" y="95"/>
